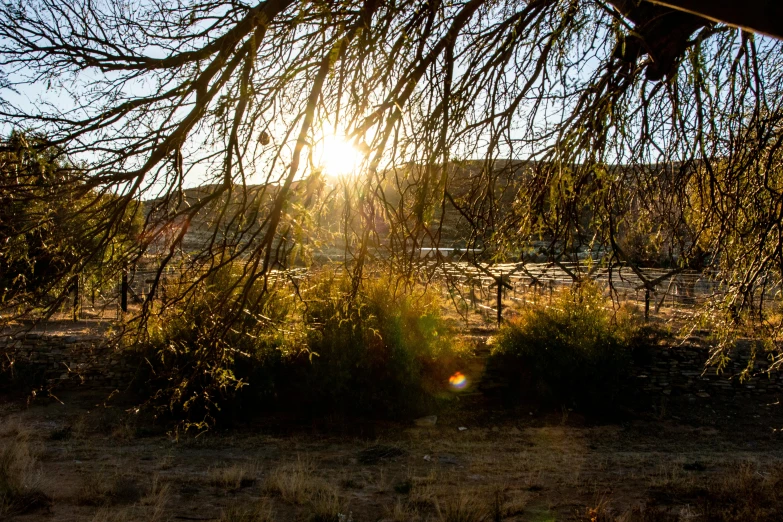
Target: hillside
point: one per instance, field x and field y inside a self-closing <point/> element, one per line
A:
<point x="237" y="215"/>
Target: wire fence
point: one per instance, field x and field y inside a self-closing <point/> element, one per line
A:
<point x="107" y="301"/>
<point x="675" y="293"/>
<point x="488" y="289"/>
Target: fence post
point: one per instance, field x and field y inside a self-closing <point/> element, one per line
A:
<point x="500" y="299"/>
<point x="502" y="285"/>
<point x="646" y="304"/>
<point x="76" y="298"/>
<point x="124" y="292"/>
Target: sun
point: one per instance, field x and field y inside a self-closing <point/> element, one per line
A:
<point x="337" y="157"/>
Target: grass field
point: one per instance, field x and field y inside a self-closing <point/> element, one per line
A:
<point x="80" y="460"/>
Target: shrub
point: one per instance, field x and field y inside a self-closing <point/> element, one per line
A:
<point x="199" y="353"/>
<point x="386" y="351"/>
<point x="575" y="352"/>
<point x="372" y="349"/>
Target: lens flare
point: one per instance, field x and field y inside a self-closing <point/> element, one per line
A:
<point x="458" y="381"/>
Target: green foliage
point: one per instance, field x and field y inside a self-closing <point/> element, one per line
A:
<point x="52" y="226"/>
<point x="235" y="349"/>
<point x="574" y="353"/>
<point x="387" y="351"/>
<point x="200" y="352"/>
<point x="642" y="242"/>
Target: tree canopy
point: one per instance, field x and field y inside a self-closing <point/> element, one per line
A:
<point x="54" y="230"/>
<point x="571" y="121"/>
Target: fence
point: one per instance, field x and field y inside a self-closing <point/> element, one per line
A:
<point x="487" y="289"/>
<point x="109" y="301"/>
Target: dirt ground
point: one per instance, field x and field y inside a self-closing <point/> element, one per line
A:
<point x="690" y="462"/>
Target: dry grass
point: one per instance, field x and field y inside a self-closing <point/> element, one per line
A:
<point x="20" y="478"/>
<point x="166" y="462"/>
<point x="106" y="514"/>
<point x="465" y="506"/>
<point x="671" y="475"/>
<point x="487" y="473"/>
<point x="157" y="498"/>
<point x="424" y="489"/>
<point x="402" y="512"/>
<point x="122" y="499"/>
<point x="123" y="431"/>
<point x="326" y="505"/>
<point x="603" y="512"/>
<point x="297" y="483"/>
<point x="110" y="488"/>
<point x="128" y="514"/>
<point x="260" y="511"/>
<point x="236" y="476"/>
<point x="745" y="493"/>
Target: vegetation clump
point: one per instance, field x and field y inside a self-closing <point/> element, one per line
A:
<point x="197" y="353"/>
<point x="19" y="479"/>
<point x="387" y="351"/>
<point x="372" y="349"/>
<point x="56" y="231"/>
<point x="575" y="352"/>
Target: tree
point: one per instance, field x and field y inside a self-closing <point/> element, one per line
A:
<point x="761" y="16"/>
<point x="51" y="227"/>
<point x="573" y="107"/>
